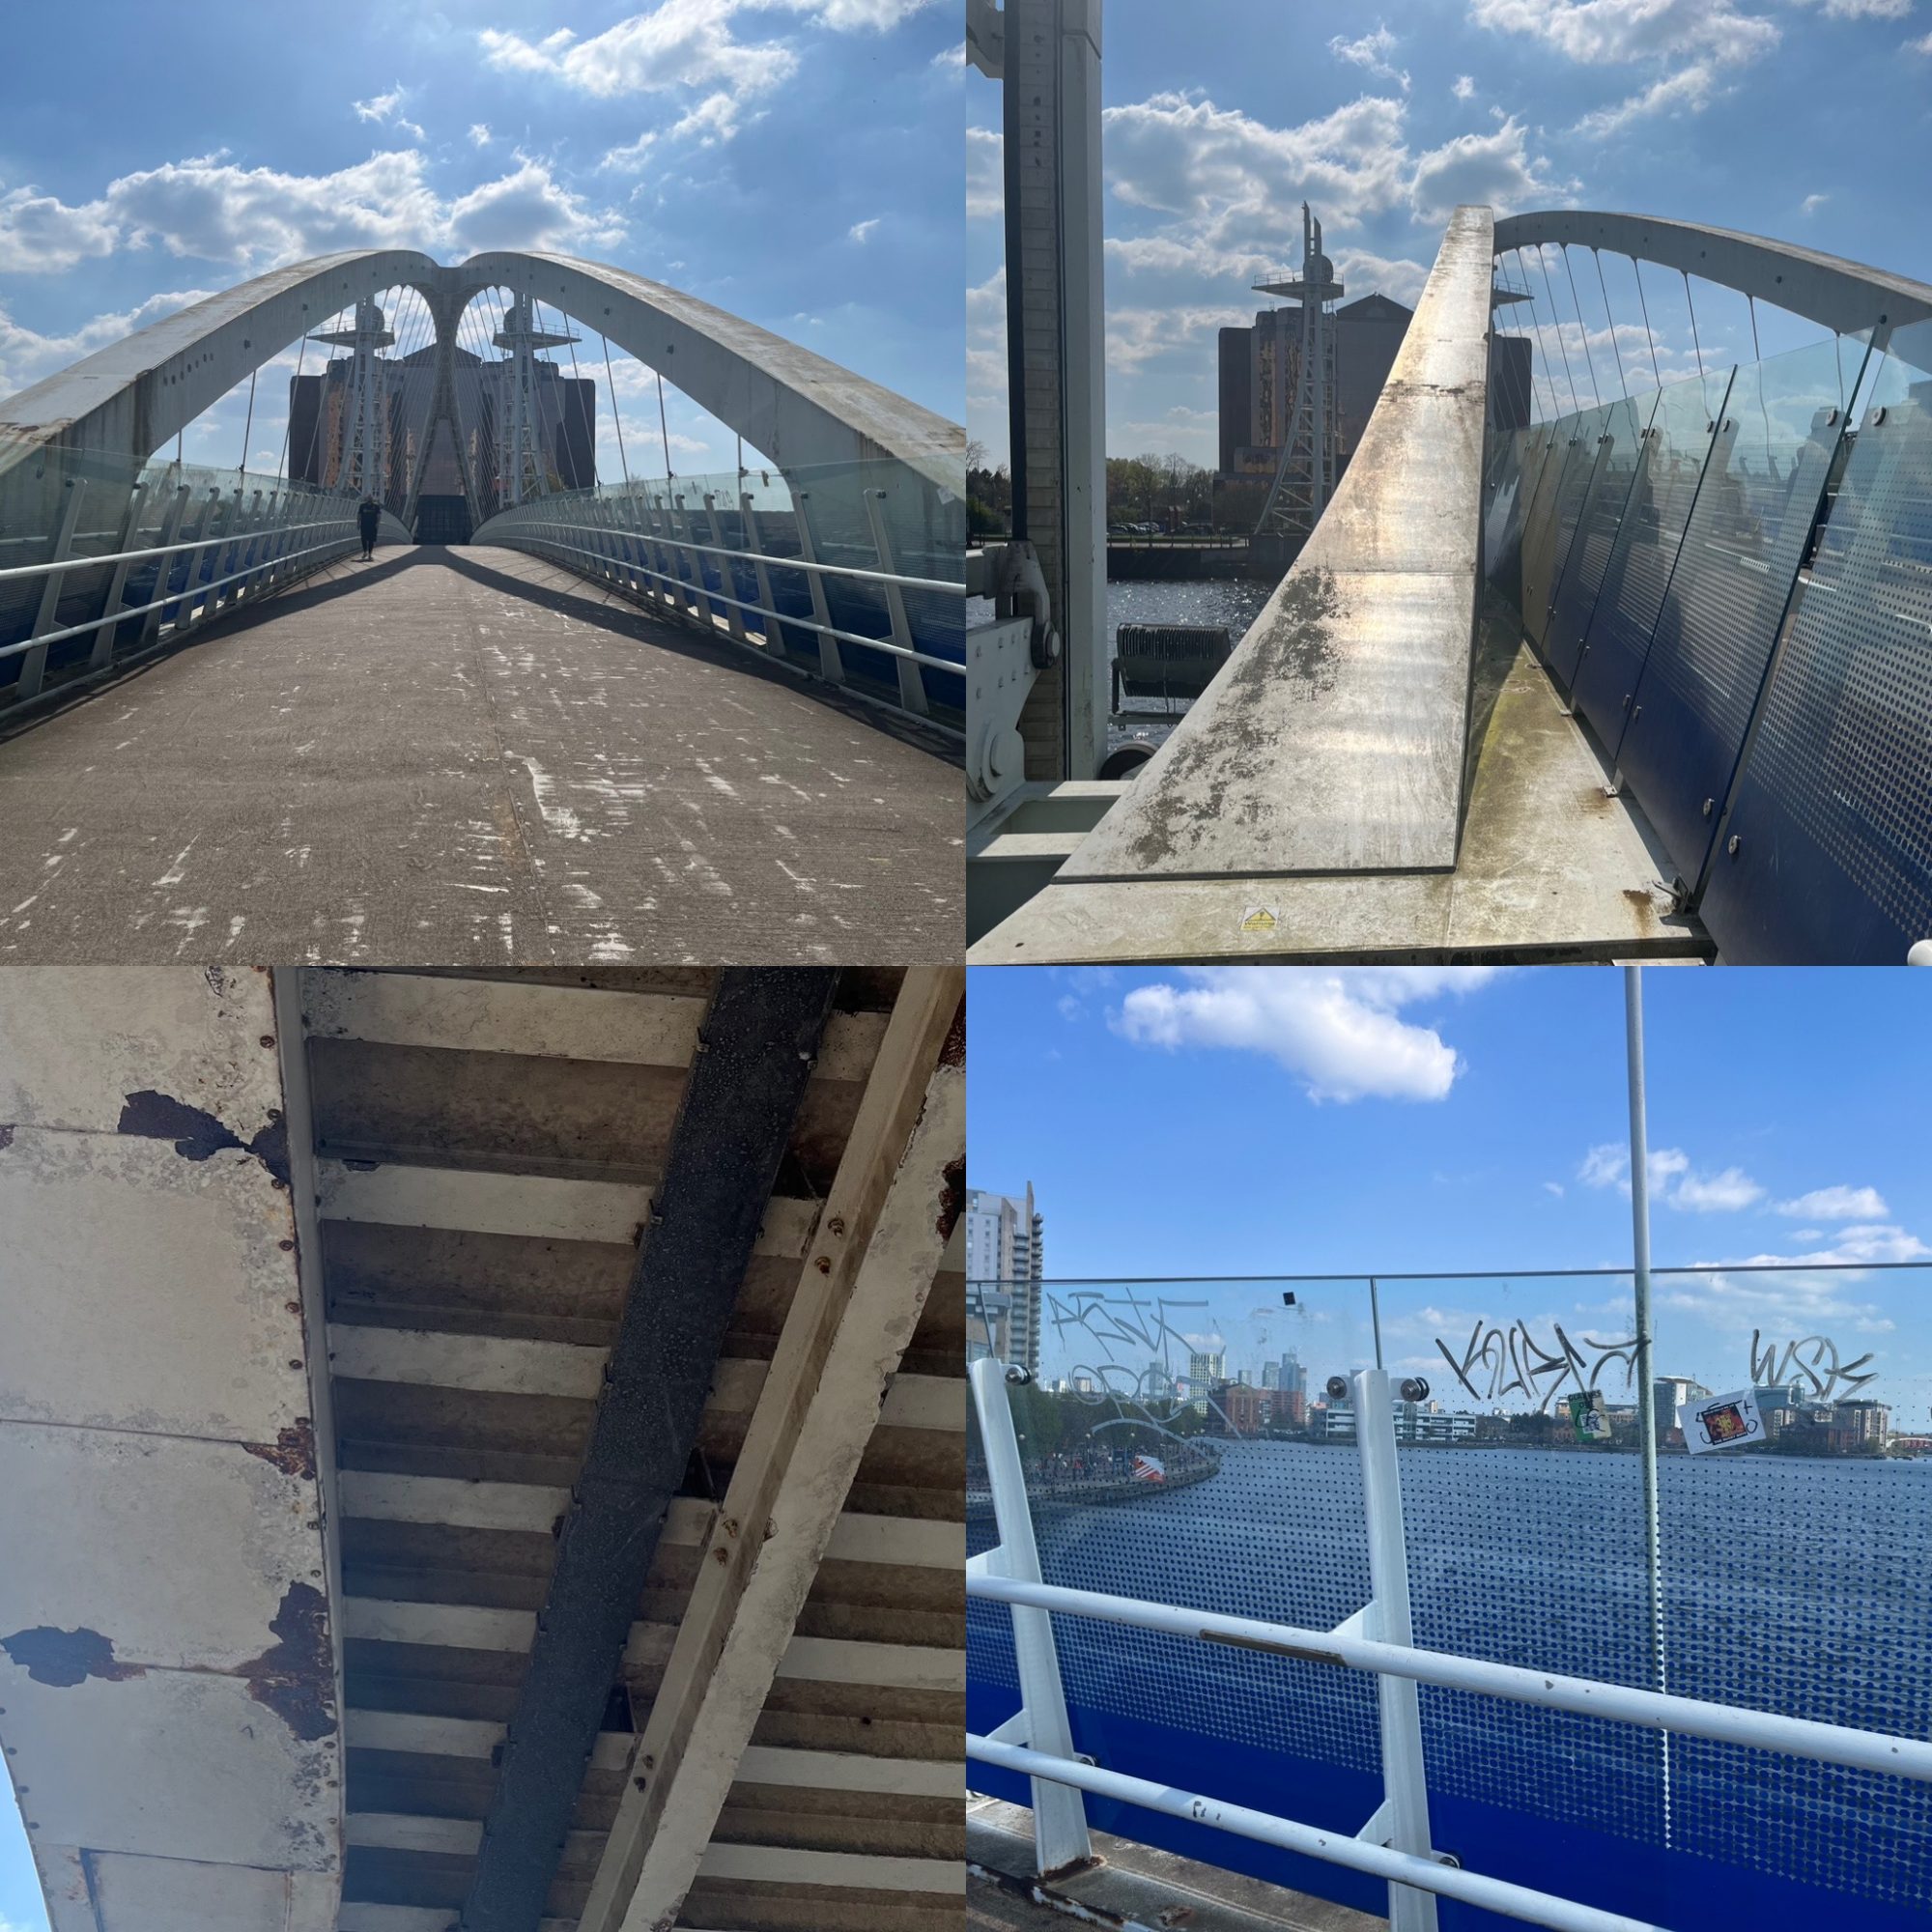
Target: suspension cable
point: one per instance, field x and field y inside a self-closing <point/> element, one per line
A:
<point x="1611" y="320"/>
<point x="616" y="420"/>
<point x="1536" y="323"/>
<point x="1636" y="268"/>
<point x="1583" y="328"/>
<point x="1693" y="307"/>
<point x="1556" y="315"/>
<point x="663" y="426"/>
<point x="248" y="422"/>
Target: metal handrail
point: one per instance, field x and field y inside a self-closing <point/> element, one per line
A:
<point x="188" y="594"/>
<point x="1588" y="1697"/>
<point x="162" y="549"/>
<point x="946" y="586"/>
<point x="886" y="644"/>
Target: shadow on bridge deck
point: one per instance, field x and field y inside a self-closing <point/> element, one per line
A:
<point x="457" y="756"/>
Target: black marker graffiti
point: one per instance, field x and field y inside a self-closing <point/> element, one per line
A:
<point x="1511" y="1361"/>
<point x="1814" y="1360"/>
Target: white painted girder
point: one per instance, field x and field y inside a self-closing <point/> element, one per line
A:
<point x="785" y="1864"/>
<point x="546" y="1021"/>
<point x="925" y="1542"/>
<point x="543" y="1207"/>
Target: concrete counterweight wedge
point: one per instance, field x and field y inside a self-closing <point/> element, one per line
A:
<point x="1333" y="740"/>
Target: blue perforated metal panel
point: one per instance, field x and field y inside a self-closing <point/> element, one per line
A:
<point x="1827" y="853"/>
<point x="1675" y="448"/>
<point x="1553" y="516"/>
<point x="1728" y="596"/>
<point x="1603" y="515"/>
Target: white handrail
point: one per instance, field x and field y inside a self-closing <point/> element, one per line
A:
<point x="165" y="550"/>
<point x="1400" y="1869"/>
<point x="1654" y="1710"/>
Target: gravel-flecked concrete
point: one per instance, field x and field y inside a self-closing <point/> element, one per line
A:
<point x="457" y="756"/>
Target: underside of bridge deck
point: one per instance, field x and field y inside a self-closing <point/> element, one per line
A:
<point x="497" y="1226"/>
<point x="473" y="757"/>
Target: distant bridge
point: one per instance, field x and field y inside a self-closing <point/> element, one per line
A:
<point x="832" y="577"/>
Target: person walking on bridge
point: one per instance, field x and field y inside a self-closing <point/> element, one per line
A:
<point x="368" y="521"/>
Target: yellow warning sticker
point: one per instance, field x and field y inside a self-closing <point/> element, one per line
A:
<point x="1260" y="918"/>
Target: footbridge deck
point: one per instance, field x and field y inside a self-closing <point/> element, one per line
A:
<point x="471" y="755"/>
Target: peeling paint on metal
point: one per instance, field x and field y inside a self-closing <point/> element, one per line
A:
<point x="296" y="1678"/>
<point x="197" y="1134"/>
<point x="952" y="1203"/>
<point x="292" y="1451"/>
<point x="66" y="1658"/>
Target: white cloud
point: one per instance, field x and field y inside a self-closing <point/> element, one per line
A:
<point x="1812" y="203"/>
<point x="1866" y="10"/>
<point x="1339" y="1031"/>
<point x="1673" y="1182"/>
<point x="1554" y="1187"/>
<point x="1921" y="46"/>
<point x="986" y="182"/>
<point x="386" y="108"/>
<point x="1465" y="87"/>
<point x="1692" y="46"/>
<point x="27" y="356"/>
<point x="862" y="231"/>
<point x="1795" y="1303"/>
<point x="1837" y="1203"/>
<point x="1496" y="168"/>
<point x="479" y="134"/>
<point x="1372" y="53"/>
<point x="255" y="219"/>
<point x="1722" y="1193"/>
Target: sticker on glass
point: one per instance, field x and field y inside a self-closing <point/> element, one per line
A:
<point x="1720" y="1422"/>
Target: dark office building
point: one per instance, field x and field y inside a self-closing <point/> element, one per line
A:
<point x="566" y="414"/>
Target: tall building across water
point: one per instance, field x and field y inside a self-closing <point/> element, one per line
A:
<point x="1004" y="1266"/>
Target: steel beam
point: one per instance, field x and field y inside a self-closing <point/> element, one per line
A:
<point x="733" y="1125"/>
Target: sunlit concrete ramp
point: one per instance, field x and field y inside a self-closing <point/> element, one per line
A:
<point x="484" y="1450"/>
<point x="471" y="755"/>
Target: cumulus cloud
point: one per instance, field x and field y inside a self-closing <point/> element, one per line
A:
<point x="683" y="43"/>
<point x="1372" y="53"/>
<point x="26" y="356"/>
<point x="1340" y="1033"/>
<point x="1795" y="1301"/>
<point x="1496" y="167"/>
<point x="1837" y="1203"/>
<point x="209" y="209"/>
<point x="387" y="108"/>
<point x="1465" y="87"/>
<point x="1673" y="1182"/>
<point x="479" y="134"/>
<point x="986" y="182"/>
<point x="1866" y="10"/>
<point x="1692" y="47"/>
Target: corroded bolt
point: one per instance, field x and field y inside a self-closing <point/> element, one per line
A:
<point x="268" y="1039"/>
<point x="823" y="1263"/>
<point x="721" y="1554"/>
<point x="838" y="1226"/>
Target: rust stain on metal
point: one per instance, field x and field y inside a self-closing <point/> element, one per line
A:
<point x="296" y="1678"/>
<point x="66" y="1658"/>
<point x="953" y="1202"/>
<point x="292" y="1451"/>
<point x="198" y="1134"/>
<point x="954" y="1052"/>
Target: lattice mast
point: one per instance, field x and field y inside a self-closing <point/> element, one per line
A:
<point x="522" y="468"/>
<point x="1305" y="479"/>
<point x="364" y="468"/>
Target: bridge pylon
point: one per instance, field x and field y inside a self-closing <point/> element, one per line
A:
<point x="365" y="469"/>
<point x="522" y="468"/>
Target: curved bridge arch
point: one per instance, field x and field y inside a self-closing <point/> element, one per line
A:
<point x="1842" y="296"/>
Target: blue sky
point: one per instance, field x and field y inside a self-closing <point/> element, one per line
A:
<point x="1244" y="1122"/>
<point x="1806" y="120"/>
<point x="795" y="162"/>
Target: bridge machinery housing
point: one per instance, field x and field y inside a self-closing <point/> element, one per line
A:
<point x="350" y="1326"/>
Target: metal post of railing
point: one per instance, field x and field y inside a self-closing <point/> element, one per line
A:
<point x="164" y="567"/>
<point x="102" y="653"/>
<point x="1646" y="1378"/>
<point x="748" y="519"/>
<point x="1059" y="1811"/>
<point x="698" y="586"/>
<point x="727" y="577"/>
<point x="912" y="680"/>
<point x="34" y="666"/>
<point x="831" y="665"/>
<point x="183" y="613"/>
<point x="1404" y="1820"/>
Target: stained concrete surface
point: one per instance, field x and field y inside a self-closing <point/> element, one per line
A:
<point x="468" y="757"/>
